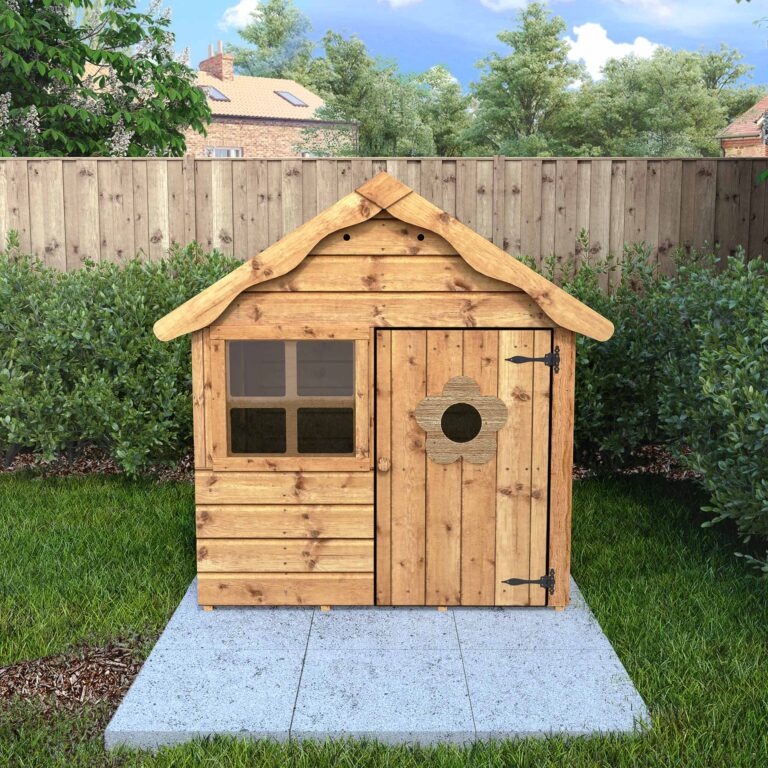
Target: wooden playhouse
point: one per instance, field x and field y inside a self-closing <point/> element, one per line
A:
<point x="383" y="414"/>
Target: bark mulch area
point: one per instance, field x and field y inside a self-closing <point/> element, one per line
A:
<point x="87" y="676"/>
<point x="93" y="461"/>
<point x="648" y="460"/>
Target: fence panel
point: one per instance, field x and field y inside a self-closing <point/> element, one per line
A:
<point x="67" y="210"/>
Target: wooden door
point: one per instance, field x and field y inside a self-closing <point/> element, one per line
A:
<point x="453" y="522"/>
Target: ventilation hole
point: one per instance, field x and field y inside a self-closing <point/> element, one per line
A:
<point x="420" y="236"/>
<point x="347" y="236"/>
<point x="461" y="422"/>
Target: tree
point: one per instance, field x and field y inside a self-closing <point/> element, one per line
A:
<point x="86" y="79"/>
<point x="659" y="106"/>
<point x="445" y="109"/>
<point x="723" y="71"/>
<point x="356" y="87"/>
<point x="278" y="31"/>
<point x="520" y="94"/>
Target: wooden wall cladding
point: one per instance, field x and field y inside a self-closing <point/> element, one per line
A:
<point x="67" y="210"/>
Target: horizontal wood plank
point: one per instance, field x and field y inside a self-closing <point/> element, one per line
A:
<point x="507" y="310"/>
<point x="383" y="273"/>
<point x="290" y="522"/>
<point x="283" y="487"/>
<point x="287" y="555"/>
<point x="379" y="237"/>
<point x="285" y="589"/>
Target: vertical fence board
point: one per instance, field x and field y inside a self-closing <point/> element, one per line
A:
<point x="222" y="214"/>
<point x="274" y="200"/>
<point x="634" y="201"/>
<point x="565" y="210"/>
<point x="484" y="196"/>
<point x="616" y="223"/>
<point x="530" y="210"/>
<point x="240" y="210"/>
<point x="669" y="212"/>
<point x="600" y="208"/>
<point x="584" y="187"/>
<point x="652" y="198"/>
<point x="81" y="211"/>
<point x="757" y="230"/>
<point x="687" y="205"/>
<point x="513" y="179"/>
<point x="706" y="200"/>
<point x="548" y="207"/>
<point x="449" y="186"/>
<point x="258" y="217"/>
<point x="309" y="190"/>
<point x="293" y="193"/>
<point x="17" y="203"/>
<point x="46" y="206"/>
<point x="203" y="203"/>
<point x="466" y="192"/>
<point x="176" y="211"/>
<point x="727" y="206"/>
<point x="431" y="187"/>
<point x="140" y="209"/>
<point x="158" y="205"/>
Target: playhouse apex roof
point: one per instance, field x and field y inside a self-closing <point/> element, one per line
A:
<point x="383" y="192"/>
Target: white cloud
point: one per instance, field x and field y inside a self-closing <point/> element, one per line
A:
<point x="399" y="3"/>
<point x="503" y="5"/>
<point x="238" y="16"/>
<point x="593" y="46"/>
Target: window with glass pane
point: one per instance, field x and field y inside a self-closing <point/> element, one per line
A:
<point x="291" y="398"/>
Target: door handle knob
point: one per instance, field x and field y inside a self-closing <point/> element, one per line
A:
<point x="383" y="464"/>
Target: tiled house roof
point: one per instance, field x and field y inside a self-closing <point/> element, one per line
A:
<point x="247" y="96"/>
<point x="748" y="124"/>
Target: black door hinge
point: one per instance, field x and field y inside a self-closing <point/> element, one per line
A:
<point x="545" y="582"/>
<point x="551" y="359"/>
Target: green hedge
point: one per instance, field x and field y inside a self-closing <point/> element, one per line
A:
<point x="687" y="366"/>
<point x="79" y="363"/>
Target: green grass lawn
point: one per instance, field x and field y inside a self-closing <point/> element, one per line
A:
<point x="86" y="560"/>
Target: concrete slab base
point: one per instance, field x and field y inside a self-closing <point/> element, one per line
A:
<point x="397" y="675"/>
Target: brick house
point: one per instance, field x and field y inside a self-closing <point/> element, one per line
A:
<point x="258" y="116"/>
<point x="747" y="135"/>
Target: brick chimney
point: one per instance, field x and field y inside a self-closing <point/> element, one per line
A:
<point x="222" y="65"/>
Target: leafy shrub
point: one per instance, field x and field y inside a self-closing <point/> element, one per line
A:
<point x="617" y="387"/>
<point x="713" y="396"/>
<point x="79" y="363"/>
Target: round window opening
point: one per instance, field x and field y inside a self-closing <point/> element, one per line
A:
<point x="461" y="422"/>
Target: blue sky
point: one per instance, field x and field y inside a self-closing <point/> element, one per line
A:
<point x="456" y="33"/>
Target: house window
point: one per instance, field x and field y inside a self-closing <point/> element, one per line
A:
<point x="213" y="93"/>
<point x="291" y="99"/>
<point x="223" y="151"/>
<point x="291" y="398"/>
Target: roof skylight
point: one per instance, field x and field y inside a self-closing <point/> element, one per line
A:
<point x="291" y="99"/>
<point x="214" y="93"/>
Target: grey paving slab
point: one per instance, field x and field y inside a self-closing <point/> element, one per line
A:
<point x="531" y="628"/>
<point x="393" y="696"/>
<point x="392" y="674"/>
<point x="253" y="627"/>
<point x="385" y="628"/>
<point x="529" y="693"/>
<point x="179" y="696"/>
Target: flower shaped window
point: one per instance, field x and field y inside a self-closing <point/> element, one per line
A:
<point x="461" y="423"/>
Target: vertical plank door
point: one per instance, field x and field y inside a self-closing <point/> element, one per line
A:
<point x="449" y="534"/>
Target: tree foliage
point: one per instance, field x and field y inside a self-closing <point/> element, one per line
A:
<point x="78" y="78"/>
<point x="520" y="95"/>
<point x="277" y="42"/>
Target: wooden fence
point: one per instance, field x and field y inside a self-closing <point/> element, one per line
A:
<point x="67" y="210"/>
